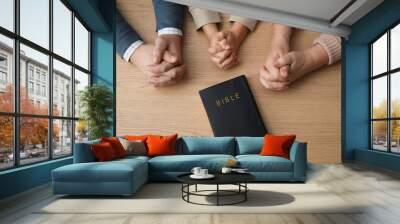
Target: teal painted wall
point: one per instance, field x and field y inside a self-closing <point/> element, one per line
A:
<point x="24" y="178"/>
<point x="103" y="67"/>
<point x="103" y="54"/>
<point x="355" y="71"/>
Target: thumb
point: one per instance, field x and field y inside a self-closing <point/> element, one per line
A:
<point x="221" y="35"/>
<point x="286" y="59"/>
<point x="168" y="57"/>
<point x="159" y="50"/>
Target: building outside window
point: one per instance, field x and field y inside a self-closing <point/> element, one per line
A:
<point x="56" y="128"/>
<point x="30" y="72"/>
<point x="385" y="91"/>
<point x="3" y="72"/>
<point x="30" y="87"/>
<point x="3" y="78"/>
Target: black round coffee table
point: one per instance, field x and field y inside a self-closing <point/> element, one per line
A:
<point x="238" y="179"/>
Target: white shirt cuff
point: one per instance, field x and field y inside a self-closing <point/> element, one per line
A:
<point x="131" y="49"/>
<point x="170" y="31"/>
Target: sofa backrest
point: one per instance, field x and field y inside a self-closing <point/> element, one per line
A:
<point x="249" y="145"/>
<point x="206" y="145"/>
<point x="83" y="152"/>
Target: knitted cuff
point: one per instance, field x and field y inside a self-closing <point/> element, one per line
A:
<point x="249" y="23"/>
<point x="332" y="46"/>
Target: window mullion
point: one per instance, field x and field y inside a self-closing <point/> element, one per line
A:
<point x="389" y="101"/>
<point x="16" y="84"/>
<point x="50" y="81"/>
<point x="73" y="83"/>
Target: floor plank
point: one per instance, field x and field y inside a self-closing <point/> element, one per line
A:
<point x="378" y="190"/>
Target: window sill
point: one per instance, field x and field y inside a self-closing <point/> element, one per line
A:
<point x="26" y="167"/>
<point x="381" y="159"/>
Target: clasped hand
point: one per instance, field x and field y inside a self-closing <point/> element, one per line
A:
<point x="161" y="62"/>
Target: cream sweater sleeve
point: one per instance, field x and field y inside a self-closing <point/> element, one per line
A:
<point x="332" y="45"/>
<point x="249" y="23"/>
<point x="202" y="17"/>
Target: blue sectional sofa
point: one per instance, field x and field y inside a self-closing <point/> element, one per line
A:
<point x="125" y="176"/>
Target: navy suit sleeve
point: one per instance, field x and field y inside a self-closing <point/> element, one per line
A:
<point x="168" y="14"/>
<point x="125" y="35"/>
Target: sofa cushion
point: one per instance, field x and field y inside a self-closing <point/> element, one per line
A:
<point x="116" y="145"/>
<point x="103" y="152"/>
<point x="112" y="171"/>
<point x="207" y="145"/>
<point x="161" y="145"/>
<point x="249" y="145"/>
<point x="257" y="163"/>
<point x="277" y="145"/>
<point x="185" y="163"/>
<point x="136" y="147"/>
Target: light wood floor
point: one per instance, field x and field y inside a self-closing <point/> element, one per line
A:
<point x="353" y="182"/>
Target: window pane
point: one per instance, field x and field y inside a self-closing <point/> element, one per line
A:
<point x="62" y="89"/>
<point x="395" y="47"/>
<point x="379" y="56"/>
<point x="6" y="142"/>
<point x="395" y="94"/>
<point x="34" y="72"/>
<point x="81" y="131"/>
<point x="62" y="137"/>
<point x="81" y="82"/>
<point x="81" y="45"/>
<point x="35" y="21"/>
<point x="7" y="14"/>
<point x="62" y="29"/>
<point x="33" y="139"/>
<point x="379" y="100"/>
<point x="395" y="130"/>
<point x="6" y="74"/>
<point x="379" y="135"/>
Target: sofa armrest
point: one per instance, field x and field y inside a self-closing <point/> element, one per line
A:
<point x="83" y="152"/>
<point x="298" y="155"/>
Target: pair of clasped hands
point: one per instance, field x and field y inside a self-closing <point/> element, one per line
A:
<point x="163" y="63"/>
<point x="281" y="66"/>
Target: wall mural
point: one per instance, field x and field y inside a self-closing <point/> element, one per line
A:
<point x="166" y="55"/>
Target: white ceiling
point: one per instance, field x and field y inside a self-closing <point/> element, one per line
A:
<point x="326" y="16"/>
<point x="321" y="9"/>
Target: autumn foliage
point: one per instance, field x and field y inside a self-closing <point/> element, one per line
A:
<point x="380" y="127"/>
<point x="33" y="131"/>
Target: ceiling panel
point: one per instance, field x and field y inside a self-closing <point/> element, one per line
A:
<point x="320" y="9"/>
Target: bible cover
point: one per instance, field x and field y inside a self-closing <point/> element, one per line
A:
<point x="232" y="110"/>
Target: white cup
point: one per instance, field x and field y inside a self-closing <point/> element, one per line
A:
<point x="226" y="170"/>
<point x="196" y="171"/>
<point x="203" y="172"/>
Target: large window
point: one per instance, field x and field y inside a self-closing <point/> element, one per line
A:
<point x="44" y="65"/>
<point x="385" y="91"/>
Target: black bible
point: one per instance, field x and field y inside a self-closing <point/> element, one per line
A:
<point x="232" y="110"/>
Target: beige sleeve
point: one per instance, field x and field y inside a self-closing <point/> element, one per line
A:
<point x="202" y="17"/>
<point x="332" y="45"/>
<point x="249" y="23"/>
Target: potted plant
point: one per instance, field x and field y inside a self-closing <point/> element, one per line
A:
<point x="96" y="103"/>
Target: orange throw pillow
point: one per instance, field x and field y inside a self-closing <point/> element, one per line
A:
<point x="116" y="145"/>
<point x="103" y="152"/>
<point x="161" y="145"/>
<point x="277" y="145"/>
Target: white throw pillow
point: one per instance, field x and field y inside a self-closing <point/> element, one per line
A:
<point x="137" y="148"/>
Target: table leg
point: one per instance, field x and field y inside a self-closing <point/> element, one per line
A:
<point x="196" y="187"/>
<point x="245" y="193"/>
<point x="217" y="194"/>
<point x="188" y="190"/>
